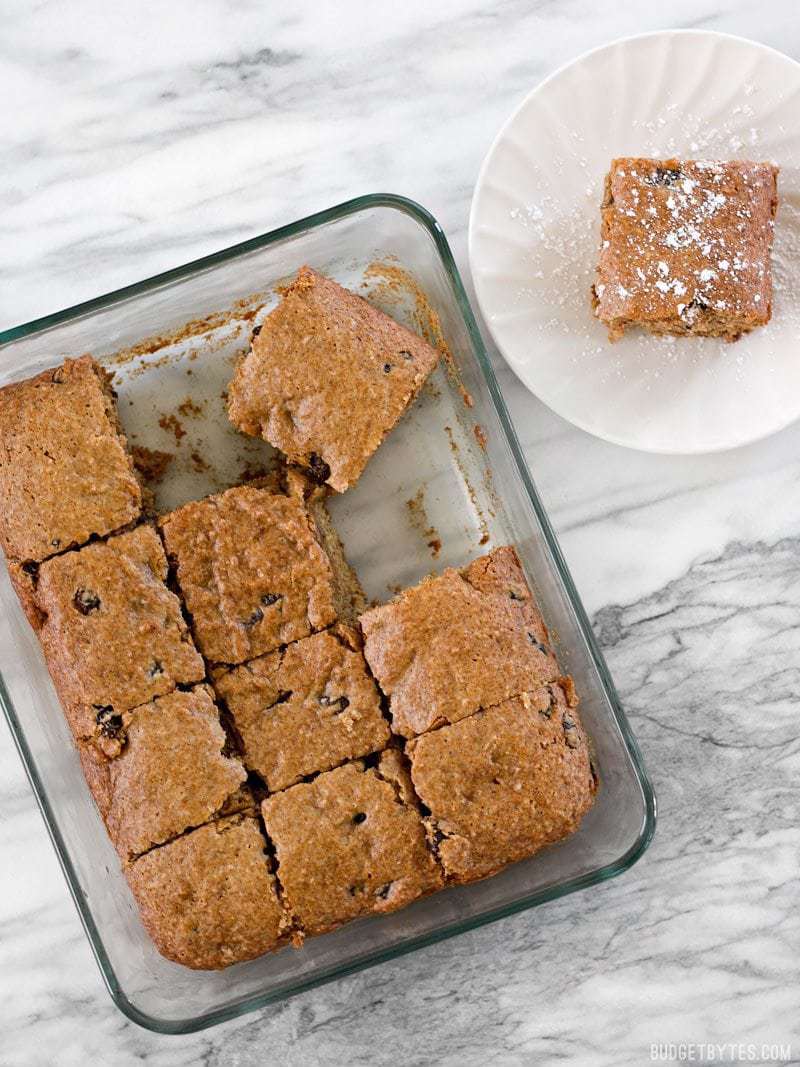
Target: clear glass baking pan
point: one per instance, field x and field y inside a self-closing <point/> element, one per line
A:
<point x="449" y="483"/>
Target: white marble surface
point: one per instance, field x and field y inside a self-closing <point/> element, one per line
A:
<point x="137" y="136"/>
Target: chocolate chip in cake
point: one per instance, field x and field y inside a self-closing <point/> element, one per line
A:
<point x="514" y="595"/>
<point x="86" y="601"/>
<point x="156" y="668"/>
<point x="268" y="599"/>
<point x="664" y="176"/>
<point x="338" y="703"/>
<point x="536" y="643"/>
<point x="383" y="890"/>
<point x="108" y="720"/>
<point x="256" y="331"/>
<point x="386" y="368"/>
<point x="359" y="817"/>
<point x="697" y="303"/>
<point x="31" y="568"/>
<point x="570" y="732"/>
<point x="318" y="469"/>
<point x="282" y="697"/>
<point x="254" y="618"/>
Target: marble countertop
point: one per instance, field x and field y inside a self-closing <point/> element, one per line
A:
<point x="139" y="136"/>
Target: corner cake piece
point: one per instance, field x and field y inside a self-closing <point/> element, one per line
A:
<point x="306" y="708"/>
<point x="170" y="772"/>
<point x="455" y="643"/>
<point x="347" y="845"/>
<point x="686" y="247"/>
<point x="251" y="570"/>
<point x="65" y="472"/>
<point x="112" y="632"/>
<point x="326" y="379"/>
<point x="209" y="898"/>
<point x="504" y="782"/>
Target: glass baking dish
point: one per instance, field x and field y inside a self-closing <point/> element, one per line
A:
<point x="449" y="483"/>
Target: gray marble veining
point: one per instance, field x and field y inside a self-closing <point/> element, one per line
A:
<point x="136" y="137"/>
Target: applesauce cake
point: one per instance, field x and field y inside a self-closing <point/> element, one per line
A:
<point x="347" y="845"/>
<point x="209" y="898"/>
<point x="327" y="377"/>
<point x="305" y="708"/>
<point x="66" y="474"/>
<point x="252" y="571"/>
<point x="171" y="771"/>
<point x="113" y="634"/>
<point x="270" y="757"/>
<point x="504" y="782"/>
<point x="460" y="641"/>
<point x="686" y="247"/>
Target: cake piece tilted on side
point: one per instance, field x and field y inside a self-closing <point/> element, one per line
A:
<point x="65" y="472"/>
<point x="170" y="774"/>
<point x="504" y="782"/>
<point x="457" y="642"/>
<point x="112" y="632"/>
<point x="252" y="571"/>
<point x="305" y="708"/>
<point x="209" y="898"/>
<point x="686" y="247"/>
<point x="327" y="377"/>
<point x="347" y="845"/>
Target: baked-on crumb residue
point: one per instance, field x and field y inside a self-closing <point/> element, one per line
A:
<point x="151" y="462"/>
<point x="420" y="521"/>
<point x="242" y="311"/>
<point x="189" y="409"/>
<point x="172" y="424"/>
<point x="482" y="523"/>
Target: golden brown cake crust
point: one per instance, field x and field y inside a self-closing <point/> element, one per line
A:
<point x="113" y="633"/>
<point x="503" y="783"/>
<point x="346" y="846"/>
<point x="170" y="775"/>
<point x="65" y="473"/>
<point x="208" y="899"/>
<point x="304" y="709"/>
<point x="458" y="642"/>
<point x="686" y="247"/>
<point x="251" y="572"/>
<point x="327" y="378"/>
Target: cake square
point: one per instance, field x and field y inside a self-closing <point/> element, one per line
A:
<point x="327" y="377"/>
<point x="251" y="570"/>
<point x="209" y="898"/>
<point x="457" y="642"/>
<point x="303" y="709"/>
<point x="112" y="632"/>
<point x="347" y="845"/>
<point x="686" y="247"/>
<point x="170" y="771"/>
<point x="504" y="782"/>
<point x="65" y="472"/>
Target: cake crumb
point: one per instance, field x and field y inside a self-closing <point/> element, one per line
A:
<point x="420" y="521"/>
<point x="189" y="409"/>
<point x="151" y="463"/>
<point x="172" y="424"/>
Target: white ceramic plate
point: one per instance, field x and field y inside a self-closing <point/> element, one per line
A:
<point x="534" y="234"/>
